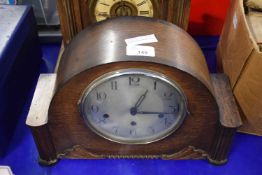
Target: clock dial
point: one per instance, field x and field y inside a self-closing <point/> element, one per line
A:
<point x="111" y="8"/>
<point x="133" y="106"/>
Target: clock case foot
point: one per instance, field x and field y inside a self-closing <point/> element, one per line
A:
<point x="47" y="163"/>
<point x="45" y="146"/>
<point x="217" y="162"/>
<point x="221" y="146"/>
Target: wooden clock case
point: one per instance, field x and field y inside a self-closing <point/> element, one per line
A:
<point x="75" y="15"/>
<point x="59" y="130"/>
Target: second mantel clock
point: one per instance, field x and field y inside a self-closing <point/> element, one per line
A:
<point x="113" y="99"/>
<point x="78" y="14"/>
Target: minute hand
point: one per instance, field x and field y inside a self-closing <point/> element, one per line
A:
<point x="147" y="112"/>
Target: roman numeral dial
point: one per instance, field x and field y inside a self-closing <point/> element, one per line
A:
<point x="104" y="9"/>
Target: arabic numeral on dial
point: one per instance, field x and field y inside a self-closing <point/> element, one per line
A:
<point x="115" y="130"/>
<point x="134" y="81"/>
<point x="101" y="96"/>
<point x="175" y="108"/>
<point x="101" y="121"/>
<point x="167" y="122"/>
<point x="94" y="108"/>
<point x="132" y="132"/>
<point x="168" y="95"/>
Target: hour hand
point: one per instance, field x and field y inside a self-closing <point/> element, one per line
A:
<point x="141" y="99"/>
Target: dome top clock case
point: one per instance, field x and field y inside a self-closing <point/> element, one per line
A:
<point x="104" y="103"/>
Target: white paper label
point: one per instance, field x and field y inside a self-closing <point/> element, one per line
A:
<point x="141" y="40"/>
<point x="148" y="51"/>
<point x="134" y="47"/>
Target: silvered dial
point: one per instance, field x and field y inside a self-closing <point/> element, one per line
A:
<point x="111" y="8"/>
<point x="133" y="106"/>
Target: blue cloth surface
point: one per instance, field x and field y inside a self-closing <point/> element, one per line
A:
<point x="245" y="157"/>
<point x="20" y="58"/>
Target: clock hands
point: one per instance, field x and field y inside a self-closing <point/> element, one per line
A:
<point x="133" y="110"/>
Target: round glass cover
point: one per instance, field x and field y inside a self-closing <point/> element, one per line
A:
<point x="133" y="106"/>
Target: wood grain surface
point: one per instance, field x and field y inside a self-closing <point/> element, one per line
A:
<point x="203" y="116"/>
<point x="78" y="14"/>
<point x="97" y="45"/>
<point x="229" y="114"/>
<point x="100" y="49"/>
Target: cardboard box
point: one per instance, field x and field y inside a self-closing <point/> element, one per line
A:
<point x="240" y="57"/>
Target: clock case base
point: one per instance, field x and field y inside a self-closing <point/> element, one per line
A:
<point x="216" y="154"/>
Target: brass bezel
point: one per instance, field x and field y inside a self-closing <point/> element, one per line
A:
<point x="145" y="72"/>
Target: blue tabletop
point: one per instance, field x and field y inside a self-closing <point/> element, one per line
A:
<point x="245" y="157"/>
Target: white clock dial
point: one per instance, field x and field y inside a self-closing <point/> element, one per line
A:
<point x="111" y="8"/>
<point x="133" y="106"/>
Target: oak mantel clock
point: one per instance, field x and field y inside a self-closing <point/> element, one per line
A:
<point x="111" y="98"/>
<point x="77" y="14"/>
